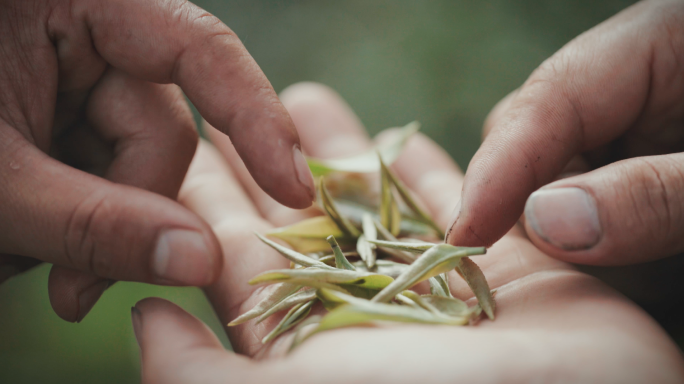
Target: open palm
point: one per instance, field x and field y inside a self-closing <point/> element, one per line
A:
<point x="554" y="324"/>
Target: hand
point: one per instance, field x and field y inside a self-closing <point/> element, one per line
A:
<point x="553" y="323"/>
<point x="88" y="85"/>
<point x="614" y="93"/>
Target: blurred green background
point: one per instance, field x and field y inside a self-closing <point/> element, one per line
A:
<point x="443" y="62"/>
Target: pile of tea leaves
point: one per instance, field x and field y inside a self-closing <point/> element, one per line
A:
<point x="362" y="257"/>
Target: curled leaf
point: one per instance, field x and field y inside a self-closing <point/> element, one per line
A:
<point x="324" y="278"/>
<point x="341" y="262"/>
<point x="273" y="298"/>
<point x="367" y="161"/>
<point x="293" y="256"/>
<point x="294" y="299"/>
<point x="473" y="275"/>
<point x="438" y="259"/>
<point x="439" y="286"/>
<point x="293" y="317"/>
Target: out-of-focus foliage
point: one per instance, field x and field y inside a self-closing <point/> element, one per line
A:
<point x="442" y="62"/>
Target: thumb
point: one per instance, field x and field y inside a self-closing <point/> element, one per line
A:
<point x="176" y="347"/>
<point x="66" y="217"/>
<point x="625" y="213"/>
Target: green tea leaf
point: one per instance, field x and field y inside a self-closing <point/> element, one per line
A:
<point x="416" y="247"/>
<point x="473" y="275"/>
<point x="277" y="295"/>
<point x="293" y="256"/>
<point x="309" y="235"/>
<point x="365" y="249"/>
<point x="332" y="299"/>
<point x="330" y="209"/>
<point x="448" y="305"/>
<point x="324" y="278"/>
<point x="293" y="317"/>
<point x="341" y="262"/>
<point x="438" y="286"/>
<point x="409" y="200"/>
<point x="401" y="255"/>
<point x="416" y="298"/>
<point x="370" y="312"/>
<point x="384" y="267"/>
<point x="390" y="216"/>
<point x="294" y="299"/>
<point x="438" y="259"/>
<point x="367" y="161"/>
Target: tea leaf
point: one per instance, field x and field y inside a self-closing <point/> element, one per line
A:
<point x="293" y="299"/>
<point x="324" y="278"/>
<point x="293" y="256"/>
<point x="293" y="317"/>
<point x="369" y="312"/>
<point x="384" y="267"/>
<point x="473" y="275"/>
<point x="438" y="259"/>
<point x="277" y="295"/>
<point x="365" y="249"/>
<point x="438" y="286"/>
<point x="409" y="201"/>
<point x="332" y="299"/>
<point x="309" y="235"/>
<point x="367" y="161"/>
<point x="448" y="305"/>
<point x="341" y="262"/>
<point x="401" y="255"/>
<point x="416" y="298"/>
<point x="390" y="216"/>
<point x="416" y="247"/>
<point x="331" y="210"/>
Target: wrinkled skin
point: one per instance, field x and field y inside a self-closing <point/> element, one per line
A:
<point x="605" y="114"/>
<point x="554" y="324"/>
<point x="96" y="138"/>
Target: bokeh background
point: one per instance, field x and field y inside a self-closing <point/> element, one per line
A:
<point x="442" y="62"/>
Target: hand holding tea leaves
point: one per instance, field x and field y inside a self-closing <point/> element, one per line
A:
<point x="551" y="321"/>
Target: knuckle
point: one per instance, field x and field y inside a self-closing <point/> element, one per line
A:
<point x="654" y="192"/>
<point x="86" y="245"/>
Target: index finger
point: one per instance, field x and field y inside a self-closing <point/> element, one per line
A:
<point x="585" y="96"/>
<point x="178" y="42"/>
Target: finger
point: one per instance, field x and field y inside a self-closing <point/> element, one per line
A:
<point x="624" y="213"/>
<point x="212" y="192"/>
<point x="193" y="354"/>
<point x="63" y="216"/>
<point x="176" y="41"/>
<point x="428" y="171"/>
<point x="155" y="138"/>
<point x="589" y="93"/>
<point x="328" y="128"/>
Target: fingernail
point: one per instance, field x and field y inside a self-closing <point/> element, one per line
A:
<point x="182" y="257"/>
<point x="136" y="319"/>
<point x="88" y="297"/>
<point x="303" y="172"/>
<point x="454" y="217"/>
<point x="564" y="217"/>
